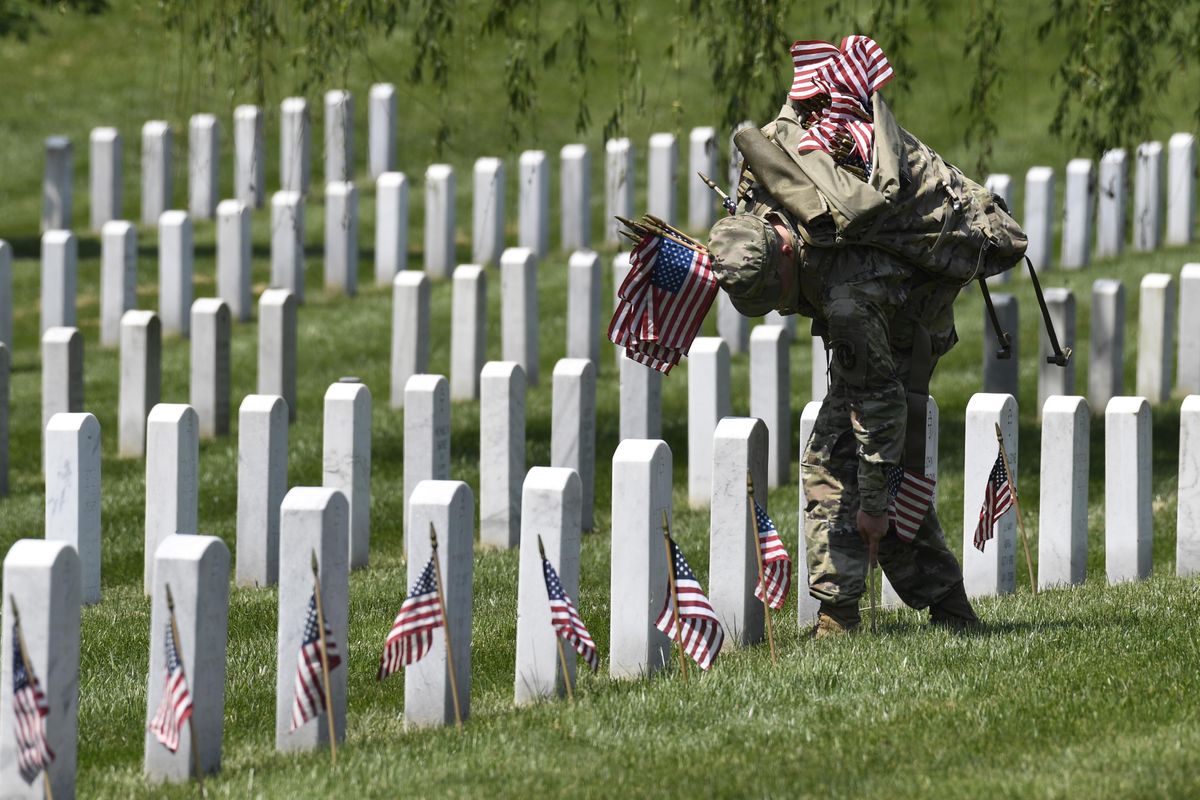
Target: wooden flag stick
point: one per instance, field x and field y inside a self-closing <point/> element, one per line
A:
<point x="437" y="571"/>
<point x="192" y="717"/>
<point x="872" y="555"/>
<point x="762" y="580"/>
<point x="1012" y="487"/>
<point x="562" y="654"/>
<point x="12" y="603"/>
<point x="666" y="528"/>
<point x="324" y="661"/>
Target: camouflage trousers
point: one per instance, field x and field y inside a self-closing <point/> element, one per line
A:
<point x="922" y="572"/>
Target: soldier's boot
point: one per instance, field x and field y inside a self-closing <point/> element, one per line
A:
<point x="836" y="620"/>
<point x="954" y="611"/>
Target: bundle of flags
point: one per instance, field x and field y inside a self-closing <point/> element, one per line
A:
<point x="30" y="710"/>
<point x="308" y="698"/>
<point x="665" y="297"/>
<point x="176" y="705"/>
<point x="699" y="633"/>
<point x="777" y="565"/>
<point x="834" y="86"/>
<point x="412" y="632"/>
<point x="910" y="493"/>
<point x="997" y="499"/>
<point x="566" y="620"/>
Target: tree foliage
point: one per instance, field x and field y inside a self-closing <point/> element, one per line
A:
<point x="21" y="19"/>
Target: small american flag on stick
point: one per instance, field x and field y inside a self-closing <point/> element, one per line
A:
<point x="910" y="493"/>
<point x="412" y="633"/>
<point x="997" y="499"/>
<point x="30" y="710"/>
<point x="700" y="633"/>
<point x="176" y="705"/>
<point x="308" y="698"/>
<point x="565" y="618"/>
<point x="777" y="564"/>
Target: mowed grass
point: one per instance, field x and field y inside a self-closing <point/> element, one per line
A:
<point x="1080" y="692"/>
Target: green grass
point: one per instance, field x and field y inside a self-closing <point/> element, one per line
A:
<point x="1082" y="692"/>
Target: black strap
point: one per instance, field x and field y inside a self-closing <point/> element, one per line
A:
<point x="1061" y="356"/>
<point x="919" y="369"/>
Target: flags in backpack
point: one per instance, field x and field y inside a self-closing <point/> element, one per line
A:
<point x="777" y="564"/>
<point x="412" y="632"/>
<point x="176" y="705"/>
<point x="30" y="709"/>
<point x="997" y="499"/>
<point x="910" y="493"/>
<point x="308" y="698"/>
<point x="566" y="620"/>
<point x="700" y="633"/>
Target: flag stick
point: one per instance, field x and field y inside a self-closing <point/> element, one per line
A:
<point x="324" y="661"/>
<point x="562" y="654"/>
<point x="666" y="528"/>
<point x="872" y="554"/>
<point x="437" y="570"/>
<point x="192" y="717"/>
<point x="12" y="603"/>
<point x="762" y="581"/>
<point x="1012" y="487"/>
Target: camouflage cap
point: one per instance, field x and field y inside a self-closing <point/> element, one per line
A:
<point x="745" y="253"/>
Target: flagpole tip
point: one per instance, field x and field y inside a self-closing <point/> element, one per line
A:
<point x="315" y="564"/>
<point x="666" y="525"/>
<point x="170" y="598"/>
<point x="432" y="536"/>
<point x="541" y="548"/>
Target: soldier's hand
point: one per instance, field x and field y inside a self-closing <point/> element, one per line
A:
<point x="872" y="527"/>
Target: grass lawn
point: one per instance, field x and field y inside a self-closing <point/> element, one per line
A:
<point x="1081" y="692"/>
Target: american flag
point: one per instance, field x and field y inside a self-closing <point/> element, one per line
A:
<point x="566" y="620"/>
<point x="702" y="635"/>
<point x="308" y="697"/>
<point x="910" y="494"/>
<point x="176" y="705"/>
<point x="663" y="301"/>
<point x="412" y="633"/>
<point x="997" y="499"/>
<point x="30" y="710"/>
<point x="777" y="564"/>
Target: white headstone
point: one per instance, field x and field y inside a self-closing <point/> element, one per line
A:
<point x="277" y="346"/>
<point x="346" y="458"/>
<point x="210" y="373"/>
<point x="410" y="330"/>
<point x="573" y="427"/>
<point x="314" y="521"/>
<point x="118" y="278"/>
<point x="1156" y="337"/>
<point x="519" y="310"/>
<point x="5" y="368"/>
<point x="641" y="492"/>
<point x="60" y="259"/>
<point x="660" y="190"/>
<point x="172" y="478"/>
<point x="501" y="453"/>
<point x="785" y="321"/>
<point x="295" y="145"/>
<point x="468" y="331"/>
<point x="381" y="129"/>
<point x="56" y="184"/>
<point x="620" y="269"/>
<point x="534" y="203"/>
<point x="176" y="262"/>
<point x="449" y="508"/>
<point x="426" y="436"/>
<point x="820" y="368"/>
<point x="618" y="186"/>
<point x="339" y="137"/>
<point x="575" y="192"/>
<point x="1181" y="188"/>
<point x="708" y="402"/>
<point x="106" y="180"/>
<point x="233" y="257"/>
<point x="1111" y="191"/>
<point x="287" y="242"/>
<point x="739" y="446"/>
<point x="341" y="238"/>
<point x="439" y="221"/>
<point x="204" y="143"/>
<point x="73" y="492"/>
<point x="583" y="306"/>
<point x="1000" y="185"/>
<point x="550" y="512"/>
<point x="702" y="157"/>
<point x="640" y="401"/>
<point x="1188" y="374"/>
<point x="391" y="226"/>
<point x="1106" y="355"/>
<point x="141" y="379"/>
<point x="807" y="606"/>
<point x="991" y="571"/>
<point x="1039" y="215"/>
<point x="262" y="481"/>
<point x="196" y="571"/>
<point x="249" y="151"/>
<point x="157" y="170"/>
<point x="43" y="579"/>
<point x="1187" y="522"/>
<point x="487" y="211"/>
<point x="1147" y="197"/>
<point x="1077" y="215"/>
<point x="889" y="597"/>
<point x="62" y="372"/>
<point x="732" y="326"/>
<point x="1128" y="491"/>
<point x="1002" y="375"/>
<point x="1063" y="510"/>
<point x="770" y="397"/>
<point x="1053" y="379"/>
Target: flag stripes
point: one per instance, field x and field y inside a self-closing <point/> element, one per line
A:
<point x="997" y="499"/>
<point x="910" y="494"/>
<point x="566" y="620"/>
<point x="176" y="705"/>
<point x="308" y="690"/>
<point x="777" y="564"/>
<point x="411" y="635"/>
<point x="30" y="709"/>
<point x="699" y="631"/>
